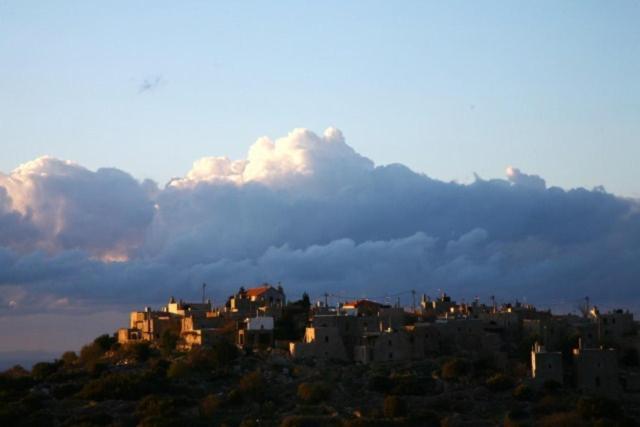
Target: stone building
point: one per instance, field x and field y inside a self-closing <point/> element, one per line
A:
<point x="264" y="300"/>
<point x="546" y="365"/>
<point x="323" y="342"/>
<point x="255" y="333"/>
<point x="596" y="370"/>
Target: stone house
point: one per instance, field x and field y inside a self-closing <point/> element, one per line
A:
<point x="264" y="300"/>
<point x="546" y="365"/>
<point x="255" y="333"/>
<point x="596" y="370"/>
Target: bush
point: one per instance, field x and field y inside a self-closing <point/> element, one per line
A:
<point x="564" y="419"/>
<point x="252" y="385"/>
<point x="90" y="354"/>
<point x="598" y="407"/>
<point x="119" y="386"/>
<point x="168" y="342"/>
<point x="523" y="392"/>
<point x="152" y="408"/>
<point x="105" y="342"/>
<point x="137" y="351"/>
<point x="500" y="382"/>
<point x="42" y="370"/>
<point x="219" y="356"/>
<point x="178" y="369"/>
<point x="210" y="405"/>
<point x="455" y="369"/>
<point x="312" y="393"/>
<point x="310" y="421"/>
<point x="394" y="407"/>
<point x="380" y="383"/>
<point x="69" y="358"/>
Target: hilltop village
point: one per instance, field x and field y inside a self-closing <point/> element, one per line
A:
<point x="263" y="360"/>
<point x="364" y="331"/>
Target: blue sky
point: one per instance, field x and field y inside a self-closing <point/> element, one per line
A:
<point x="447" y="88"/>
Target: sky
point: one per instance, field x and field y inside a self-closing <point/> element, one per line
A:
<point x="446" y="88"/>
<point x="363" y="149"/>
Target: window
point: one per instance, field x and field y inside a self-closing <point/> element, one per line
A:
<point x="326" y="338"/>
<point x="390" y="343"/>
<point x="390" y="356"/>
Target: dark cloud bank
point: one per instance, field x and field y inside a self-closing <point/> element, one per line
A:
<point x="308" y="211"/>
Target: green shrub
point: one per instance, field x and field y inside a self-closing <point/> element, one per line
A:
<point x="394" y="407"/>
<point x="310" y="421"/>
<point x="42" y="370"/>
<point x="380" y="383"/>
<point x="312" y="393"/>
<point x="455" y="369"/>
<point x="564" y="419"/>
<point x="168" y="341"/>
<point x="500" y="382"/>
<point x="119" y="386"/>
<point x="105" y="342"/>
<point x="178" y="369"/>
<point x="210" y="405"/>
<point x="69" y="358"/>
<point x="252" y="385"/>
<point x="598" y="407"/>
<point x="523" y="392"/>
<point x="137" y="351"/>
<point x="91" y="353"/>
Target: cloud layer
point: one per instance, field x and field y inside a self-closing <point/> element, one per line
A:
<point x="309" y="211"/>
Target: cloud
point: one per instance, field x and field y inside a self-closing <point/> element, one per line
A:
<point x="516" y="177"/>
<point x="309" y="211"/>
<point x="59" y="205"/>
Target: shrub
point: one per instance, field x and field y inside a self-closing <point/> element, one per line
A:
<point x="312" y="393"/>
<point x="178" y="369"/>
<point x="90" y="354"/>
<point x="523" y="392"/>
<point x="500" y="382"/>
<point x="152" y="408"/>
<point x="394" y="407"/>
<point x="119" y="386"/>
<point x="42" y="370"/>
<point x="219" y="356"/>
<point x="168" y="341"/>
<point x="564" y="419"/>
<point x="380" y="383"/>
<point x="598" y="407"/>
<point x="69" y="358"/>
<point x="455" y="369"/>
<point x="105" y="342"/>
<point x="210" y="405"/>
<point x="252" y="385"/>
<point x="310" y="421"/>
<point x="137" y="351"/>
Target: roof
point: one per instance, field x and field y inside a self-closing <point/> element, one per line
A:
<point x="362" y="302"/>
<point x="255" y="292"/>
